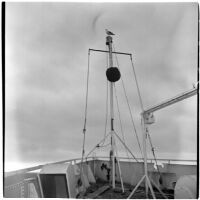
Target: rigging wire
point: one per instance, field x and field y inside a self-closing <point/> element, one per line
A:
<point x="86" y="108"/>
<point x="105" y="136"/>
<point x="153" y="152"/>
<point x="138" y="89"/>
<point x="105" y="145"/>
<point x="106" y="116"/>
<point x="121" y="127"/>
<point x="106" y="113"/>
<point x="126" y="146"/>
<point x="154" y="155"/>
<point x="142" y="107"/>
<point x="129" y="106"/>
<point x="96" y="146"/>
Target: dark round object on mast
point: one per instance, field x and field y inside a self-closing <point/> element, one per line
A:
<point x="113" y="74"/>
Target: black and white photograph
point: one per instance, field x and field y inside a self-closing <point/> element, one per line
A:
<point x="100" y="100"/>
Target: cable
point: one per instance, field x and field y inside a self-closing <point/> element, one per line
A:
<point x="103" y="145"/>
<point x="126" y="147"/>
<point x="153" y="152"/>
<point x="121" y="127"/>
<point x="106" y="113"/>
<point x="97" y="145"/>
<point x="138" y="89"/>
<point x="129" y="106"/>
<point x="86" y="106"/>
<point x="142" y="107"/>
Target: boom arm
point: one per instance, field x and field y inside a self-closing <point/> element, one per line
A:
<point x="169" y="102"/>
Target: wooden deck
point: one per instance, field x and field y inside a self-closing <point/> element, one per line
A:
<point x="98" y="192"/>
<point x="101" y="190"/>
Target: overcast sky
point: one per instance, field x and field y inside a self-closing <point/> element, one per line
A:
<point x="46" y="70"/>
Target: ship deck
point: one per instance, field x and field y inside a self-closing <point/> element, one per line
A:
<point x="29" y="178"/>
<point x="110" y="193"/>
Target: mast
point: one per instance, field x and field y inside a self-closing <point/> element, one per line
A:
<point x="112" y="151"/>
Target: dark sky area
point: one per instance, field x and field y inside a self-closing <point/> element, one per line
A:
<point x="46" y="70"/>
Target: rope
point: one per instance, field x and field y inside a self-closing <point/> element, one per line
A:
<point x="106" y="113"/>
<point x="138" y="89"/>
<point x="86" y="106"/>
<point x="142" y="107"/>
<point x="126" y="147"/>
<point x="97" y="145"/>
<point x="129" y="107"/>
<point x="106" y="117"/>
<point x="121" y="127"/>
<point x="104" y="145"/>
<point x="105" y="136"/>
<point x="153" y="152"/>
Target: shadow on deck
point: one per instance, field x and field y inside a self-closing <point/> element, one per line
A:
<point x="103" y="190"/>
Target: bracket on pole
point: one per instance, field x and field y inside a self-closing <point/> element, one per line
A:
<point x="149" y="118"/>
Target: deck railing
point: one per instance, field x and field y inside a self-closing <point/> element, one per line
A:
<point x="29" y="169"/>
<point x="77" y="160"/>
<point x="151" y="160"/>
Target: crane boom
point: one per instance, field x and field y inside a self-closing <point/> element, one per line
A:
<point x="171" y="101"/>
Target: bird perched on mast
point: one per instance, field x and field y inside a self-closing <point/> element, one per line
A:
<point x="109" y="32"/>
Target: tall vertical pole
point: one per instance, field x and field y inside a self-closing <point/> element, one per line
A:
<point x="145" y="154"/>
<point x="112" y="152"/>
<point x="145" y="177"/>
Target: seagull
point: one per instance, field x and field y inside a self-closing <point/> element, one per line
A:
<point x="109" y="32"/>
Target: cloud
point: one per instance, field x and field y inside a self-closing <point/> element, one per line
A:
<point x="46" y="71"/>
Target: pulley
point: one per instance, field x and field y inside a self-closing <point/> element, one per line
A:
<point x="113" y="74"/>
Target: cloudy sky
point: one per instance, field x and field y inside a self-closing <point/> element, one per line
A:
<point x="46" y="71"/>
